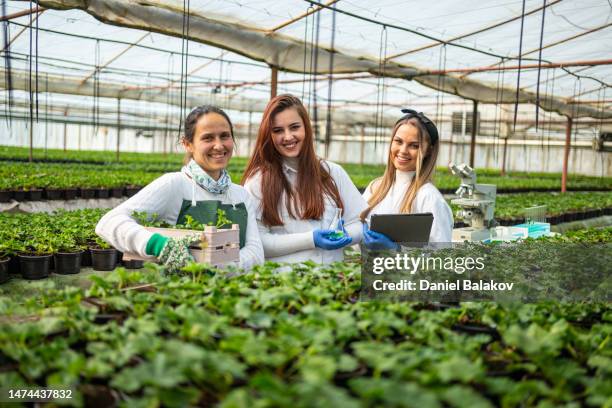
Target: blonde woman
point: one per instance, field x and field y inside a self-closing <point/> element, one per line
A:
<point x="406" y="185"/>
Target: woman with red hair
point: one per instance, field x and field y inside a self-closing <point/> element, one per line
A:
<point x="299" y="196"/>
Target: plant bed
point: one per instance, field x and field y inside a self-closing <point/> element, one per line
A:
<point x="88" y="193"/>
<point x="34" y="266"/>
<point x="104" y="259"/>
<point x="4" y="270"/>
<point x="54" y="194"/>
<point x="68" y="263"/>
<point x="6" y="196"/>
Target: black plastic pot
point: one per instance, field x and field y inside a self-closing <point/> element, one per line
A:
<point x="19" y="195"/>
<point x="34" y="266"/>
<point x="53" y="194"/>
<point x="5" y="196"/>
<point x="88" y="193"/>
<point x="13" y="265"/>
<point x="4" y="270"/>
<point x="35" y="195"/>
<point x="103" y="193"/>
<point x="86" y="258"/>
<point x="103" y="259"/>
<point x="68" y="263"/>
<point x="117" y="192"/>
<point x="70" y="193"/>
<point x="130" y="191"/>
<point x="133" y="264"/>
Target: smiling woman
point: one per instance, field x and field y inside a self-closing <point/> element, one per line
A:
<point x="307" y="208"/>
<point x="406" y="186"/>
<point x="199" y="190"/>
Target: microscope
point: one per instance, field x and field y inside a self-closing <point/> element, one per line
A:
<point x="477" y="202"/>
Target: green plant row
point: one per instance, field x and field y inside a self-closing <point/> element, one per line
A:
<point x="587" y="235"/>
<point x="43" y="233"/>
<point x="85" y="156"/>
<point x="299" y="338"/>
<point x="26" y="176"/>
<point x="513" y="205"/>
<point x="361" y="175"/>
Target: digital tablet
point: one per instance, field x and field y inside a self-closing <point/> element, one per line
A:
<point x="403" y="227"/>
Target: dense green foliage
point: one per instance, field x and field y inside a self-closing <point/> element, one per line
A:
<point x="141" y="168"/>
<point x="296" y="338"/>
<point x="513" y="205"/>
<point x="42" y="233"/>
<point x="299" y="339"/>
<point x="25" y="176"/>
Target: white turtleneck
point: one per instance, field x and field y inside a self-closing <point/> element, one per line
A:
<point x="293" y="241"/>
<point x="428" y="199"/>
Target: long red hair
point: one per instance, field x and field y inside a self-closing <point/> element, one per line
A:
<point x="307" y="200"/>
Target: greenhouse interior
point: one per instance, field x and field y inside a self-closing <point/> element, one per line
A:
<point x="334" y="203"/>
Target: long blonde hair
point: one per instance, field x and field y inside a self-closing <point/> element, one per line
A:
<point x="425" y="166"/>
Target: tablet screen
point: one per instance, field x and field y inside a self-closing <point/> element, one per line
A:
<point x="403" y="227"/>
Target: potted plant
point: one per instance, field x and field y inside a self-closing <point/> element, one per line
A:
<point x="34" y="262"/>
<point x="103" y="256"/>
<point x="68" y="255"/>
<point x="4" y="262"/>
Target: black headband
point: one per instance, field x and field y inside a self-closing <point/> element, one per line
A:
<point x="429" y="125"/>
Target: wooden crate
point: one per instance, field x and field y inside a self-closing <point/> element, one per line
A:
<point x="220" y="247"/>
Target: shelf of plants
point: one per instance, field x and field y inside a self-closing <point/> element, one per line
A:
<point x="138" y="169"/>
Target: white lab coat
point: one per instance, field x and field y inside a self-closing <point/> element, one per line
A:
<point x="293" y="242"/>
<point x="164" y="197"/>
<point x="427" y="200"/>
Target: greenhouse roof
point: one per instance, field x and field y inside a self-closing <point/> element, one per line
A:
<point x="137" y="48"/>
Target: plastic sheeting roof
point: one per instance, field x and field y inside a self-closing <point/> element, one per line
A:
<point x="243" y="29"/>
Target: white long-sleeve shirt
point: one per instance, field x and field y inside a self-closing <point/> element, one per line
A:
<point x="428" y="200"/>
<point x="293" y="241"/>
<point x="164" y="197"/>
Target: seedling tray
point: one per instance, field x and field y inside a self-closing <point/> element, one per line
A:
<point x="220" y="246"/>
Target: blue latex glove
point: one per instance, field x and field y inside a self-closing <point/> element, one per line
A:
<point x="376" y="240"/>
<point x="327" y="239"/>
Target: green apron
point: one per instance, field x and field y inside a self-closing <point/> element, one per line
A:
<point x="205" y="212"/>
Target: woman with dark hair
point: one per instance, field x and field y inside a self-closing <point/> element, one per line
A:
<point x="406" y="186"/>
<point x="307" y="208"/>
<point x="199" y="190"/>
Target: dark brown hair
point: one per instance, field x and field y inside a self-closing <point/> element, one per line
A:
<point x="307" y="200"/>
<point x="192" y="119"/>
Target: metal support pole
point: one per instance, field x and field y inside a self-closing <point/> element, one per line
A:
<point x="274" y="82"/>
<point x="503" y="169"/>
<point x="31" y="154"/>
<point x="568" y="138"/>
<point x="250" y="134"/>
<point x="362" y="152"/>
<point x="65" y="130"/>
<point x="118" y="126"/>
<point x="474" y="126"/>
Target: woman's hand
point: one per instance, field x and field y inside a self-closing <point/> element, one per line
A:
<point x="376" y="240"/>
<point x="175" y="254"/>
<point x="331" y="239"/>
